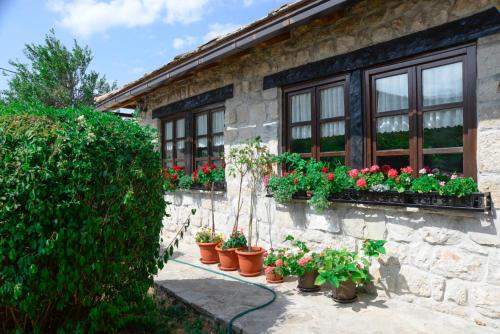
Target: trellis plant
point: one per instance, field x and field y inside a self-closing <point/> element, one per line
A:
<point x="254" y="161"/>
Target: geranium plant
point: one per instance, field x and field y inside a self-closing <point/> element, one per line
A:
<point x="276" y="262"/>
<point x="237" y="239"/>
<point x="301" y="260"/>
<point x="172" y="176"/>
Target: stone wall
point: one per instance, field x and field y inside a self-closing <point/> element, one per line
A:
<point x="443" y="259"/>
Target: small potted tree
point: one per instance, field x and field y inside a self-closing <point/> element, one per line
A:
<point x="344" y="269"/>
<point x="207" y="239"/>
<point x="252" y="160"/>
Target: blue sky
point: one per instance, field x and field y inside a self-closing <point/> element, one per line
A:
<point x="128" y="37"/>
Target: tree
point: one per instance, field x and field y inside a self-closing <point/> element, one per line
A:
<point x="56" y="76"/>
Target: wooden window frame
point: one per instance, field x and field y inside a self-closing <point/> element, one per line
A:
<point x="174" y="119"/>
<point x="314" y="88"/>
<point x="414" y="67"/>
<point x="209" y="110"/>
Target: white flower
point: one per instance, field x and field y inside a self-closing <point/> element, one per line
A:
<point x="430" y="174"/>
<point x="423" y="171"/>
<point x="454" y="176"/>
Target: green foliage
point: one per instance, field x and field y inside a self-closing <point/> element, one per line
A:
<point x="458" y="186"/>
<point x="341" y="265"/>
<point x="300" y="259"/>
<point x="236" y="240"/>
<point x="81" y="209"/>
<point x="425" y="184"/>
<point x="206" y="235"/>
<point x="56" y="76"/>
<point x="185" y="182"/>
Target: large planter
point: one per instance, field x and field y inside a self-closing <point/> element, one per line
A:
<point x="306" y="281"/>
<point x="250" y="261"/>
<point x="345" y="293"/>
<point x="271" y="277"/>
<point x="228" y="259"/>
<point x="208" y="253"/>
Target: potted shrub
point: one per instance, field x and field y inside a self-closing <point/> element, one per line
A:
<point x="207" y="241"/>
<point x="304" y="264"/>
<point x="253" y="160"/>
<point x="227" y="251"/>
<point x="277" y="266"/>
<point x="344" y="270"/>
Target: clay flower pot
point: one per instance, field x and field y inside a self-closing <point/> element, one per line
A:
<point x="345" y="293"/>
<point x="271" y="277"/>
<point x="306" y="281"/>
<point x="208" y="253"/>
<point x="250" y="262"/>
<point x="228" y="259"/>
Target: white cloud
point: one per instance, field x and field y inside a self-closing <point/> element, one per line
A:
<point x="183" y="42"/>
<point x="247" y="3"/>
<point x="86" y="17"/>
<point x="218" y="29"/>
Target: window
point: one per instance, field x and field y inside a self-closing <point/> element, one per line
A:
<point x="174" y="141"/>
<point x="316" y="120"/>
<point x="192" y="146"/>
<point x="421" y="112"/>
<point x="209" y="137"/>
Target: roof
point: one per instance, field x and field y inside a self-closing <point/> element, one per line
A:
<point x="273" y="24"/>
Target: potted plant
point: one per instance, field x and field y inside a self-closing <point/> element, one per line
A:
<point x="173" y="175"/>
<point x="251" y="160"/>
<point x="227" y="251"/>
<point x="277" y="267"/>
<point x="304" y="264"/>
<point x="344" y="269"/>
<point x="208" y="175"/>
<point x="207" y="241"/>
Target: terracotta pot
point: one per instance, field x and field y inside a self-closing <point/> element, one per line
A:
<point x="208" y="253"/>
<point x="228" y="259"/>
<point x="271" y="277"/>
<point x="250" y="262"/>
<point x="306" y="281"/>
<point x="345" y="293"/>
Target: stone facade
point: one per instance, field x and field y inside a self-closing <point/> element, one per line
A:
<point x="446" y="260"/>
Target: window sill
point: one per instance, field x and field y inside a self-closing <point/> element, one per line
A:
<point x="478" y="202"/>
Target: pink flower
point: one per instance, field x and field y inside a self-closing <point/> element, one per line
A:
<point x="279" y="263"/>
<point x="365" y="170"/>
<point x="454" y="176"/>
<point x="407" y="170"/>
<point x="269" y="270"/>
<point x="281" y="254"/>
<point x="442" y="183"/>
<point x="374" y="169"/>
<point x="265" y="180"/>
<point x="422" y="171"/>
<point x="303" y="261"/>
<point x="392" y="173"/>
<point x="353" y="173"/>
<point x="285" y="174"/>
<point x="361" y="183"/>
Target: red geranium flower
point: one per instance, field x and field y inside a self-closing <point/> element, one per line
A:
<point x="279" y="263"/>
<point x="295" y="181"/>
<point x="365" y="170"/>
<point x="223" y="165"/>
<point x="361" y="183"/>
<point x="324" y="169"/>
<point x="212" y="166"/>
<point x="174" y="177"/>
<point x="285" y="174"/>
<point x="353" y="173"/>
<point x="392" y="173"/>
<point x="375" y="169"/>
<point x="386" y="168"/>
<point x="330" y="176"/>
<point x="408" y="170"/>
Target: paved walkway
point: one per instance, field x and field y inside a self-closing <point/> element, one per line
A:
<point x="221" y="298"/>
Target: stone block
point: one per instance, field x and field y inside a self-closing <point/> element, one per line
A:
<point x="486" y="299"/>
<point x="440" y="236"/>
<point x="399" y="232"/>
<point x="415" y="281"/>
<point x="328" y="222"/>
<point x="438" y="286"/>
<point x="353" y="227"/>
<point x="453" y="262"/>
<point x="456" y="292"/>
<point x="270" y="94"/>
<point x="375" y="230"/>
<point x="493" y="276"/>
<point x="420" y="255"/>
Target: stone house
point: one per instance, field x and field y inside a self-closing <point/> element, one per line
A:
<point x="351" y="70"/>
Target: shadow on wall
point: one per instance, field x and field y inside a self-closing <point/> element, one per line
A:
<point x="221" y="300"/>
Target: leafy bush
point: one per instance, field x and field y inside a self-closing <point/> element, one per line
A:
<point x="236" y="240"/>
<point x="81" y="208"/>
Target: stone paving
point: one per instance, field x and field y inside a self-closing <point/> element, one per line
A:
<point x="220" y="298"/>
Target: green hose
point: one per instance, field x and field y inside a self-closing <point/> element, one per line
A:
<point x="230" y="324"/>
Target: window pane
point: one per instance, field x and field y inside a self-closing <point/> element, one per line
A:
<point x="301" y="139"/>
<point x="169" y="133"/>
<point x="443" y="128"/>
<point x="442" y="84"/>
<point x="180" y="128"/>
<point x="180" y="147"/>
<point x="392" y="93"/>
<point x="202" y="147"/>
<point x="392" y="132"/>
<point x="169" y="150"/>
<point x="332" y="102"/>
<point x="200" y="163"/>
<point x="332" y="136"/>
<point x="218" y="145"/>
<point x="180" y="163"/>
<point x="201" y="124"/>
<point x="395" y="162"/>
<point x="301" y="108"/>
<point x="445" y="162"/>
<point x="218" y="122"/>
<point x="333" y="161"/>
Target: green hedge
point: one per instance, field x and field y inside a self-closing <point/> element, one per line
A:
<point x="81" y="208"/>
